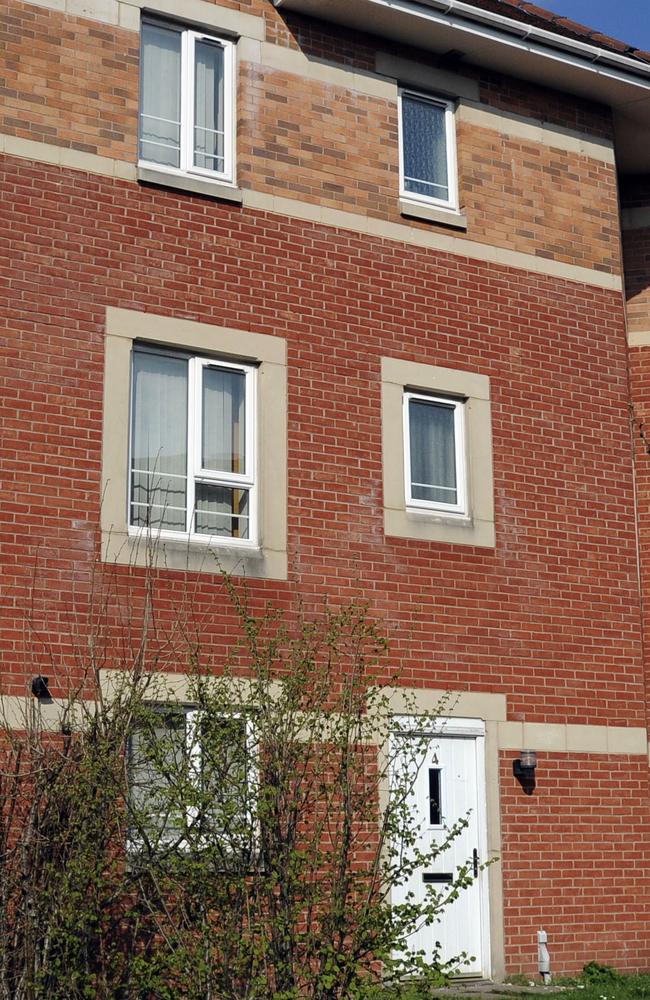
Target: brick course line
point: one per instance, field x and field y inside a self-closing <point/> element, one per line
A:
<point x="294" y="209"/>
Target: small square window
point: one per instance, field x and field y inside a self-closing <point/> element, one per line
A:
<point x="427" y="150"/>
<point x="434" y="449"/>
<point x="437" y="454"/>
<point x="192" y="466"/>
<point x="186" y="95"/>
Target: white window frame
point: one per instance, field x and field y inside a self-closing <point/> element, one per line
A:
<point x="192" y="715"/>
<point x="450" y="203"/>
<point x="460" y="507"/>
<point x="195" y="472"/>
<point x="189" y="38"/>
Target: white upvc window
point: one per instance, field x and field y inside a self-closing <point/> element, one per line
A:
<point x="434" y="452"/>
<point x="189" y="784"/>
<point x="186" y="101"/>
<point x="193" y="447"/>
<point x="427" y="150"/>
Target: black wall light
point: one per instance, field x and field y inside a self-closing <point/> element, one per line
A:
<point x="524" y="768"/>
<point x="40" y="687"/>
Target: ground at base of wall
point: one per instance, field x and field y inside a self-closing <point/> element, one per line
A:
<point x="511" y="991"/>
<point x="492" y="991"/>
<point x="597" y="982"/>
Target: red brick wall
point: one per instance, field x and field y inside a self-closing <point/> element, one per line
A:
<point x="69" y="81"/>
<point x="325" y="144"/>
<point x="635" y="197"/>
<point x="574" y="862"/>
<point x="549" y="617"/>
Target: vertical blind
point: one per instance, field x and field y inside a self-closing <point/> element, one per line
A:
<point x="159" y="441"/>
<point x="160" y="455"/>
<point x="433" y="452"/>
<point x="223" y="510"/>
<point x="160" y="116"/>
<point x="209" y="106"/>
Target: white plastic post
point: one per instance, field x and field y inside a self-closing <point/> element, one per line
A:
<point x="544" y="957"/>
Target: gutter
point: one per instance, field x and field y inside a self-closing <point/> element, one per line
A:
<point x="457" y="14"/>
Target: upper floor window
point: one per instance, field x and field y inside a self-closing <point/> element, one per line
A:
<point x="427" y="150"/>
<point x="186" y="97"/>
<point x="192" y="446"/>
<point x="434" y="448"/>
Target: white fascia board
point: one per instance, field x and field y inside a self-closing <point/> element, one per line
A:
<point x="481" y="29"/>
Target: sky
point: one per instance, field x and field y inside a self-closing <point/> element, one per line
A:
<point x="627" y="20"/>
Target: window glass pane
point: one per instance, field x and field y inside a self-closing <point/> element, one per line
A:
<point x="159" y="441"/>
<point x="209" y="107"/>
<point x="157" y="773"/>
<point x="425" y="147"/>
<point x="160" y="99"/>
<point x="224" y="420"/>
<point x="433" y="452"/>
<point x="222" y="510"/>
<point x="225" y="778"/>
<point x="435" y="807"/>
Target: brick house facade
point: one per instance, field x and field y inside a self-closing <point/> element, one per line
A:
<point x="311" y="264"/>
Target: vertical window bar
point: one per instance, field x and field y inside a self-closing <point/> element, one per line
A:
<point x="187" y="97"/>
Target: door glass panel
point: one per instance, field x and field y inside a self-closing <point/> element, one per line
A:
<point x="435" y="803"/>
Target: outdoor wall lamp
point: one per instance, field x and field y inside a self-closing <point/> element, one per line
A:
<point x="40" y="687"/>
<point x="523" y="769"/>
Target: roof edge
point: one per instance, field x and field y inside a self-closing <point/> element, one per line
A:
<point x="461" y="11"/>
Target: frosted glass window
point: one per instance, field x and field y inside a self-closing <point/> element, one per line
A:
<point x="160" y="115"/>
<point x="425" y="152"/>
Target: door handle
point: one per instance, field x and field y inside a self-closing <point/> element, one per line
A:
<point x="475" y="862"/>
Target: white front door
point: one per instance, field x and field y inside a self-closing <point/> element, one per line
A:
<point x="449" y="786"/>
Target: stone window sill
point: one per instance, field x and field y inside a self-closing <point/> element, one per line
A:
<point x="429" y="213"/>
<point x="188" y="182"/>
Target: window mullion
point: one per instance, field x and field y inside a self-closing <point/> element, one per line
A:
<point x="194" y="436"/>
<point x="461" y="450"/>
<point x="251" y="448"/>
<point x="193" y="751"/>
<point x="229" y="111"/>
<point x="187" y="101"/>
<point x="406" y="424"/>
<point x="452" y="157"/>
